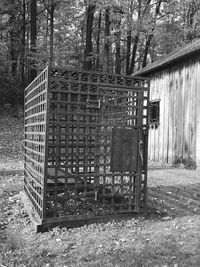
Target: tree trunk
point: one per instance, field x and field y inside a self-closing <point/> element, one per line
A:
<point x="134" y="52"/>
<point x="151" y="35"/>
<point x="128" y="51"/>
<point x="87" y="65"/>
<point x="106" y="63"/>
<point x="33" y="10"/>
<point x="190" y="21"/>
<point x="146" y="50"/>
<point x="23" y="43"/>
<point x="118" y="49"/>
<point x="13" y="52"/>
<point x="128" y="37"/>
<point x="136" y="39"/>
<point x="46" y="32"/>
<point x="28" y="39"/>
<point x="98" y="41"/>
<point x="13" y="43"/>
<point x="52" y="8"/>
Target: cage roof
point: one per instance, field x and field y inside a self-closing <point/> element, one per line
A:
<point x="175" y="56"/>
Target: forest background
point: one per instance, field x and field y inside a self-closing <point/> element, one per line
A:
<point x="112" y="36"/>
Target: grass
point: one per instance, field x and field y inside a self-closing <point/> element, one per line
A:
<point x="169" y="235"/>
<point x="133" y="242"/>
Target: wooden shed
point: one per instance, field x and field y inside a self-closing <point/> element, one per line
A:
<point x="174" y="135"/>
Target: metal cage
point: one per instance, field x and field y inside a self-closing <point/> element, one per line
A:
<point x="85" y="146"/>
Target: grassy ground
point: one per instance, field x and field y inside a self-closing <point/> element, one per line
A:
<point x="168" y="235"/>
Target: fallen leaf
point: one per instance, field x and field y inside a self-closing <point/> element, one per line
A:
<point x="167" y="218"/>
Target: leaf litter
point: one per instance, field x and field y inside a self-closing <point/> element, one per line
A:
<point x="170" y="229"/>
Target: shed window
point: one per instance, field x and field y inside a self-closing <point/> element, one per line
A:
<point x="154" y="112"/>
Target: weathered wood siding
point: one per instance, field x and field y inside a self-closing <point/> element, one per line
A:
<point x="177" y="138"/>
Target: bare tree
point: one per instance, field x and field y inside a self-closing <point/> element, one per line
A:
<point x="33" y="11"/>
<point x="88" y="44"/>
<point x="106" y="56"/>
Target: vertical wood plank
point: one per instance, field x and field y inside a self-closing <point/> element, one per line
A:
<point x="193" y="113"/>
<point x="156" y="147"/>
<point x="170" y="77"/>
<point x="197" y="111"/>
<point x="161" y="126"/>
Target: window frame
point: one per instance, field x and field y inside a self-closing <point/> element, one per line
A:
<point x="156" y="121"/>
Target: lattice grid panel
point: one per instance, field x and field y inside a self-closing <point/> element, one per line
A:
<point x="84" y="110"/>
<point x="34" y="142"/>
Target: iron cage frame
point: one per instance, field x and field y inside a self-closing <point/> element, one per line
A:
<point x="85" y="146"/>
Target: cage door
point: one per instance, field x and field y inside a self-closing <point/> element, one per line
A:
<point x="124" y="147"/>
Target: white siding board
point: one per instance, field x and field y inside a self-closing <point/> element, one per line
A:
<point x="178" y="135"/>
<point x="198" y="115"/>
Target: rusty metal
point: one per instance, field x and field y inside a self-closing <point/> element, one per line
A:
<point x="85" y="145"/>
<point x="124" y="150"/>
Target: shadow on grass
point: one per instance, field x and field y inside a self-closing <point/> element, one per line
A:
<point x="167" y="252"/>
<point x="174" y="201"/>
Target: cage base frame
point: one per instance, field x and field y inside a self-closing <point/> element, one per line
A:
<point x="72" y="221"/>
<point x="34" y="218"/>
